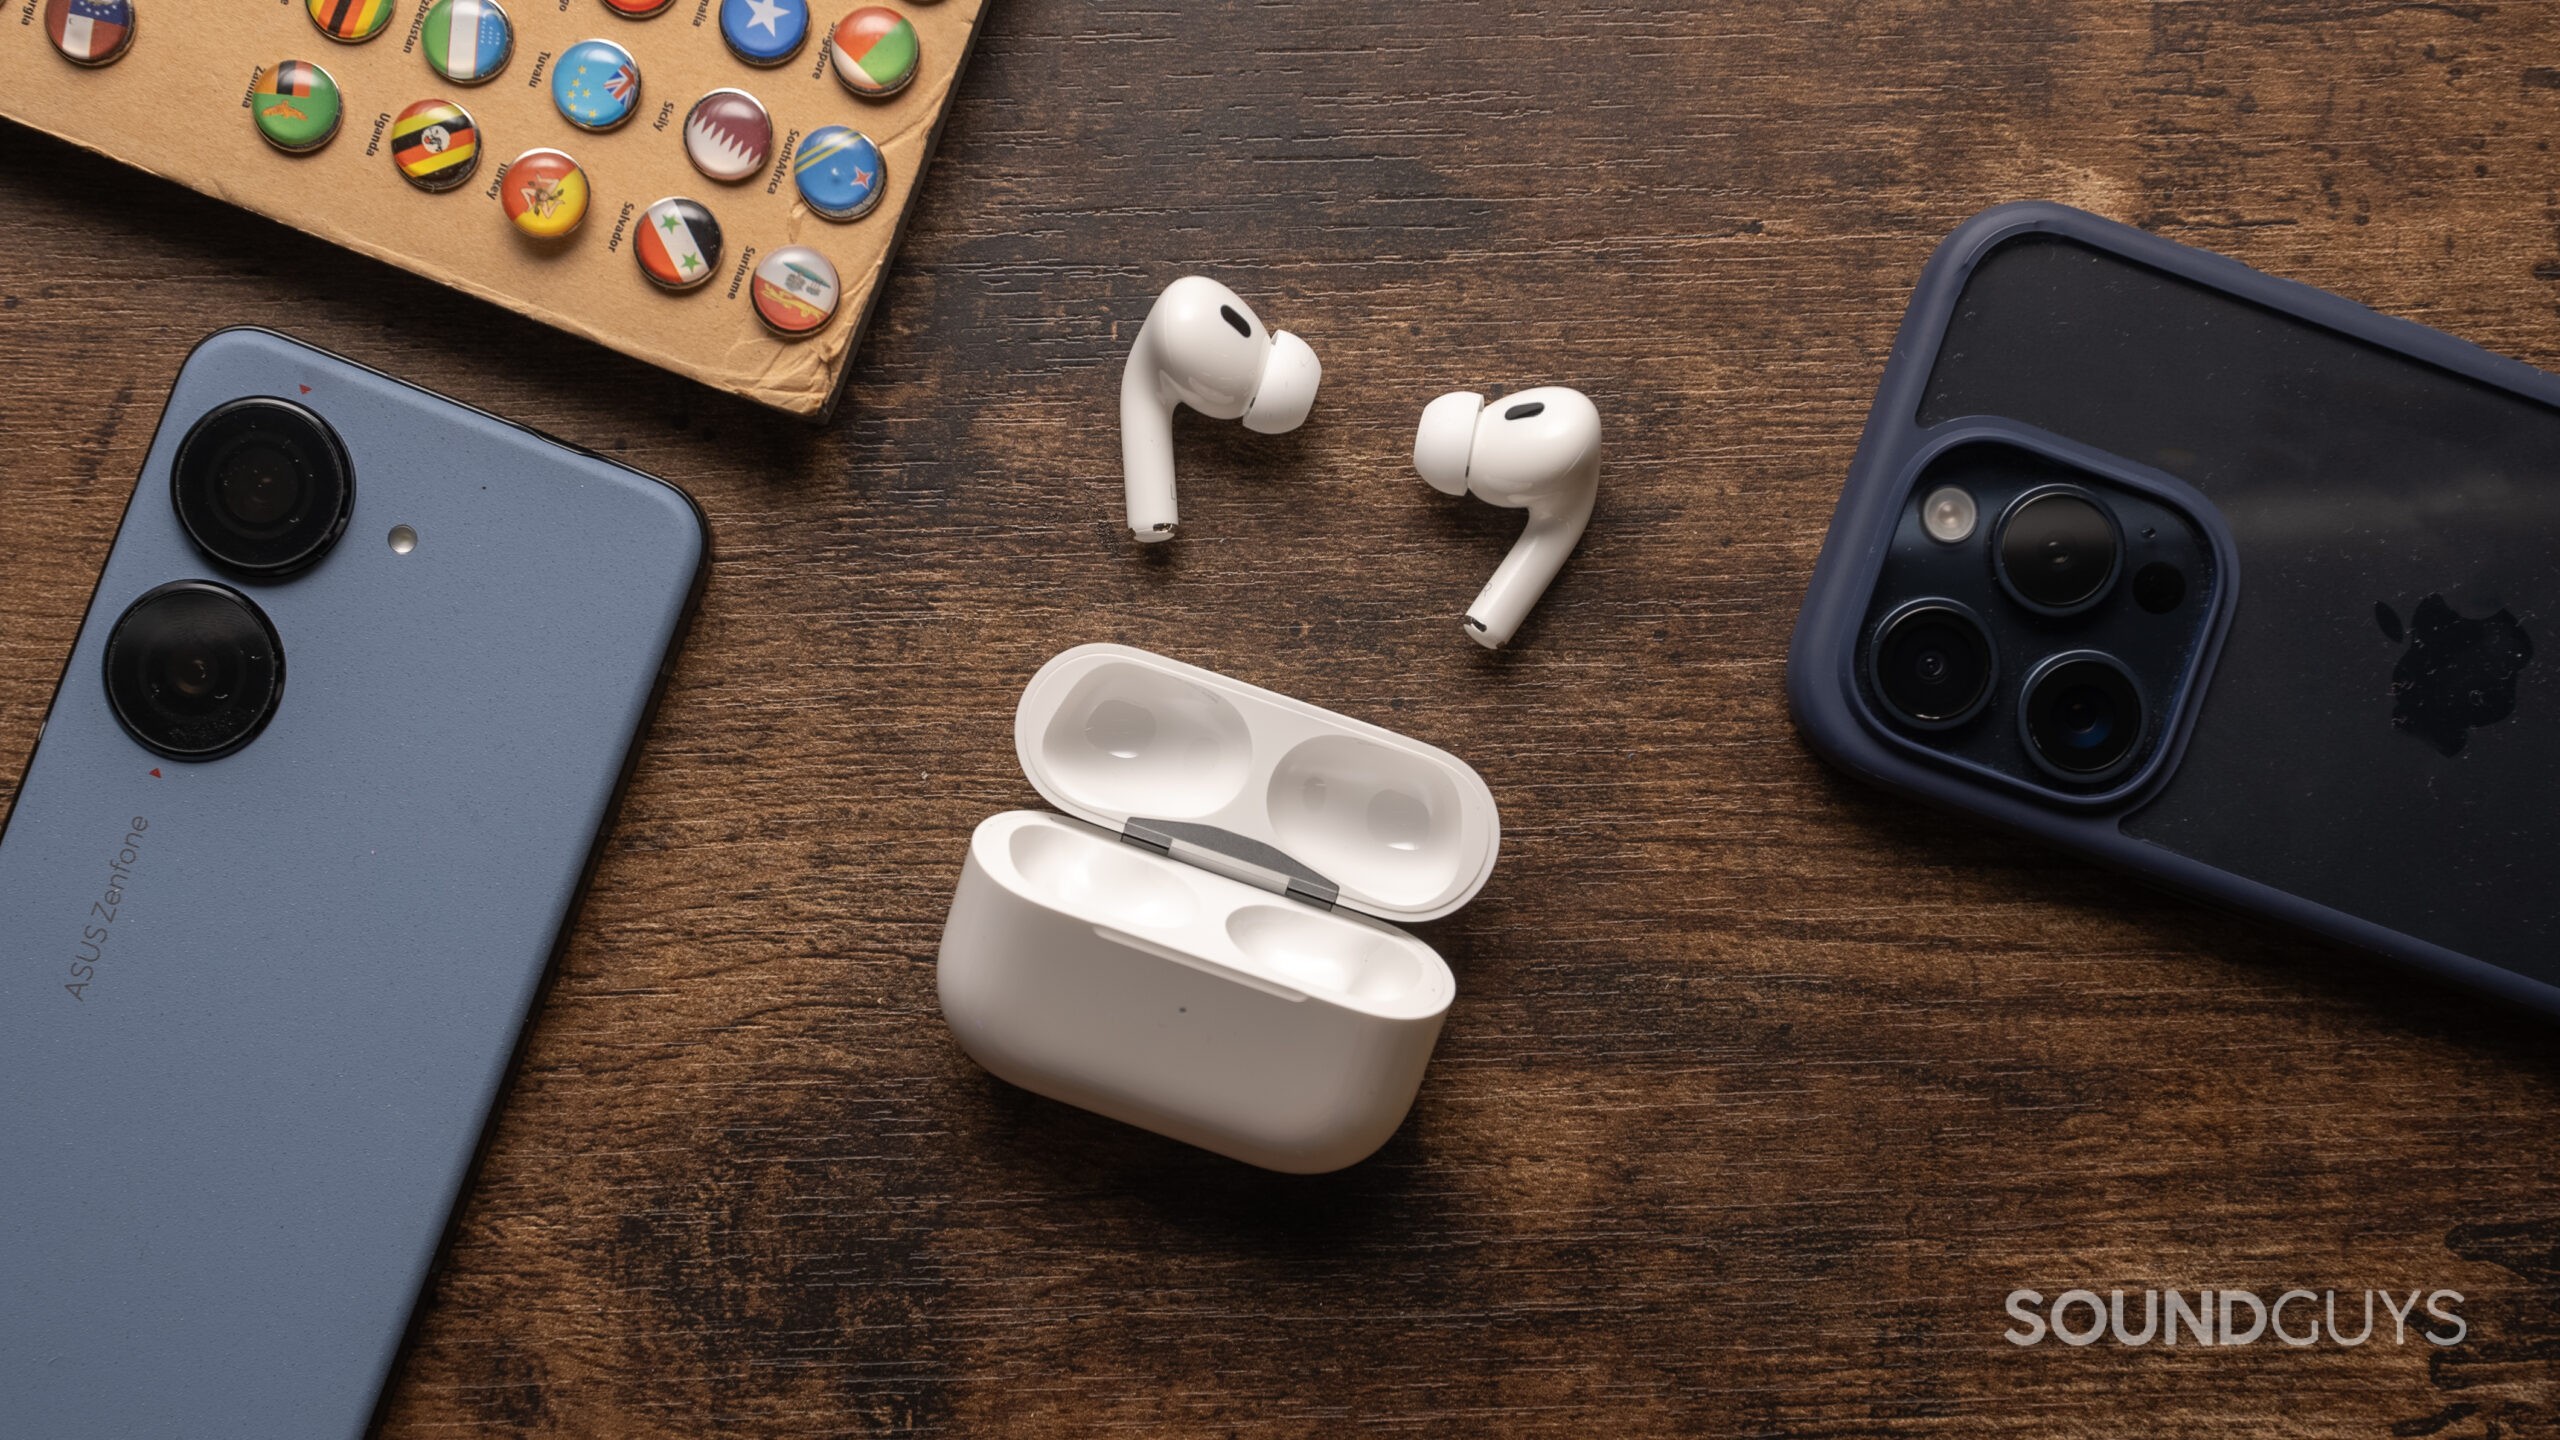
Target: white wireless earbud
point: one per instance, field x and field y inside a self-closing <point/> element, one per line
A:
<point x="1203" y="348"/>
<point x="1537" y="451"/>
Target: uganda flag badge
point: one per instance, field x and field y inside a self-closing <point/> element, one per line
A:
<point x="874" y="51"/>
<point x="679" y="244"/>
<point x="296" y="106"/>
<point x="545" y="193"/>
<point x="353" y="21"/>
<point x="435" y="144"/>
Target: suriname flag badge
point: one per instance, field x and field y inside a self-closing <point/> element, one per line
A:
<point x="467" y="41"/>
<point x="795" y="292"/>
<point x="874" y="51"/>
<point x="679" y="244"/>
<point x="353" y="21"/>
<point x="296" y="106"/>
<point x="435" y="144"/>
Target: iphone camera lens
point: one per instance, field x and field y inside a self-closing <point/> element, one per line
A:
<point x="194" y="670"/>
<point x="2059" y="550"/>
<point x="2082" y="715"/>
<point x="263" y="487"/>
<point x="1931" y="663"/>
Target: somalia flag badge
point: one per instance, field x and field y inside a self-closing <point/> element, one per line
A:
<point x="764" y="32"/>
<point x="679" y="244"/>
<point x="468" y="41"/>
<point x="89" y="32"/>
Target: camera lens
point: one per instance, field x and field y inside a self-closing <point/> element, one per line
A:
<point x="194" y="670"/>
<point x="263" y="487"/>
<point x="2058" y="550"/>
<point x="1931" y="663"/>
<point x="2082" y="716"/>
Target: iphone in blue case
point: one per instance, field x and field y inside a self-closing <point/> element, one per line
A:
<point x="2213" y="577"/>
<point x="326" y="772"/>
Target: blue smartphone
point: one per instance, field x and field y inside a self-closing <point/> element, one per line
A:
<point x="2214" y="577"/>
<point x="326" y="773"/>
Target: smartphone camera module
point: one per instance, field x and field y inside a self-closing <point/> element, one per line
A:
<point x="194" y="670"/>
<point x="263" y="487"/>
<point x="2058" y="550"/>
<point x="1932" y="664"/>
<point x="2082" y="714"/>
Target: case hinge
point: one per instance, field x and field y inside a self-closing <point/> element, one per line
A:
<point x="1237" y="857"/>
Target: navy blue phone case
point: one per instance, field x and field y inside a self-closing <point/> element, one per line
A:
<point x="2348" y="754"/>
<point x="255" y="1012"/>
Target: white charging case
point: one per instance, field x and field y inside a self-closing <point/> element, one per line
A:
<point x="1203" y="950"/>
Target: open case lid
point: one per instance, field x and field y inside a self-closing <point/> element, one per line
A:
<point x="1268" y="789"/>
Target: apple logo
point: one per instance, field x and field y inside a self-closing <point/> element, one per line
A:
<point x="2458" y="672"/>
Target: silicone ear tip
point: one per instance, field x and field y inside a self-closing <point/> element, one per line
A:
<point x="1290" y="375"/>
<point x="1446" y="439"/>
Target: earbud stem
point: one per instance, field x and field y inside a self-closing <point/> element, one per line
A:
<point x="1146" y="449"/>
<point x="1532" y="565"/>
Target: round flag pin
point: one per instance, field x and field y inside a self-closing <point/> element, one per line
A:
<point x="435" y="144"/>
<point x="596" y="84"/>
<point x="764" y="32"/>
<point x="728" y="135"/>
<point x="89" y="32"/>
<point x="468" y="41"/>
<point x="545" y="193"/>
<point x="354" y="21"/>
<point x="796" y="292"/>
<point x="875" y="51"/>
<point x="839" y="172"/>
<point x="637" y="9"/>
<point x="296" y="106"/>
<point x="678" y="245"/>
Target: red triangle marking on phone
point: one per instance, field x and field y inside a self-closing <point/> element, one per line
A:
<point x="155" y="772"/>
<point x="306" y="389"/>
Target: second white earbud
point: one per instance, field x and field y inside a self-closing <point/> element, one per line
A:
<point x="1539" y="451"/>
<point x="1203" y="347"/>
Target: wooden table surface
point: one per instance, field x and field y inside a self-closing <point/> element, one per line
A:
<point x="1761" y="1091"/>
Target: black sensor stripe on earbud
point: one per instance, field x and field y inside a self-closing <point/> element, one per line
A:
<point x="1236" y="320"/>
<point x="1523" y="412"/>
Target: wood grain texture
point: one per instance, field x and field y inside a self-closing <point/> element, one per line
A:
<point x="1761" y="1091"/>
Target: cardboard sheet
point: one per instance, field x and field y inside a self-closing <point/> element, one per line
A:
<point x="177" y="105"/>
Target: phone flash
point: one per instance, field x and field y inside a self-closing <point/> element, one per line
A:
<point x="404" y="539"/>
<point x="1948" y="514"/>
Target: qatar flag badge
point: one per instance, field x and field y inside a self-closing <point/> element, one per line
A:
<point x="728" y="136"/>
